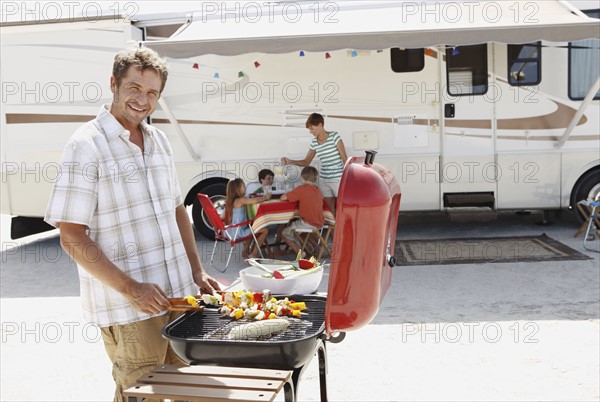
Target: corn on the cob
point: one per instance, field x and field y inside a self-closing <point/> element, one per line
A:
<point x="257" y="329"/>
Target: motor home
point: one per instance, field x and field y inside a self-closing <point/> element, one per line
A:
<point x="470" y="104"/>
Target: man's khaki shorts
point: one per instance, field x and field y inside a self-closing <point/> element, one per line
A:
<point x="136" y="348"/>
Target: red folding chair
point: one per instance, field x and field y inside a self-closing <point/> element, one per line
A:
<point x="220" y="229"/>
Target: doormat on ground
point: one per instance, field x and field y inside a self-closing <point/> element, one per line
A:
<point x="483" y="250"/>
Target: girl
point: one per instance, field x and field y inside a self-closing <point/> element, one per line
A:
<point x="235" y="212"/>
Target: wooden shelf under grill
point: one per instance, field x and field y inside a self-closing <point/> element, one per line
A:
<point x="211" y="383"/>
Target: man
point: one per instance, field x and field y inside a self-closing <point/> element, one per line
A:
<point x="119" y="210"/>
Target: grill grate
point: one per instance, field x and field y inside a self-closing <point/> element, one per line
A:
<point x="209" y="325"/>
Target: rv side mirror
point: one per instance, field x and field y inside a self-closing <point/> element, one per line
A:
<point x="449" y="110"/>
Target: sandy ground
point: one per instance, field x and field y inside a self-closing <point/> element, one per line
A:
<point x="478" y="332"/>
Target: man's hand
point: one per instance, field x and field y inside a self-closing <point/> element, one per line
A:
<point x="148" y="298"/>
<point x="205" y="282"/>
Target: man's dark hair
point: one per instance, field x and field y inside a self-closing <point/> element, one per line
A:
<point x="142" y="58"/>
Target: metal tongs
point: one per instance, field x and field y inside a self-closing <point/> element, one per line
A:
<point x="181" y="304"/>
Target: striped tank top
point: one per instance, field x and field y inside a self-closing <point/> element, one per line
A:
<point x="332" y="165"/>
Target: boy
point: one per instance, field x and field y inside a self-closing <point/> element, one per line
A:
<point x="265" y="178"/>
<point x="310" y="201"/>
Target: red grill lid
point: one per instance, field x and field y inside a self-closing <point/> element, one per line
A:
<point x="365" y="234"/>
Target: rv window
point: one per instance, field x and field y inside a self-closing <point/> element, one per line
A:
<point x="467" y="72"/>
<point x="407" y="60"/>
<point x="583" y="64"/>
<point x="524" y="64"/>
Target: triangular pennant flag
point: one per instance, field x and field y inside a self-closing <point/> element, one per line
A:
<point x="301" y="53"/>
<point x="429" y="52"/>
<point x="455" y="52"/>
<point x="327" y="55"/>
<point x="216" y="75"/>
<point x="240" y="74"/>
<point x="354" y="54"/>
<point x="195" y="66"/>
<point x="256" y="64"/>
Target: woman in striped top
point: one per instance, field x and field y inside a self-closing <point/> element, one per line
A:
<point x="329" y="147"/>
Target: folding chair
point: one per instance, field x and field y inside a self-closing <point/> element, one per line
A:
<point x="321" y="241"/>
<point x="220" y="229"/>
<point x="594" y="216"/>
<point x="585" y="209"/>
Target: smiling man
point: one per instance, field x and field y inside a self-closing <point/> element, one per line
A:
<point x="119" y="210"/>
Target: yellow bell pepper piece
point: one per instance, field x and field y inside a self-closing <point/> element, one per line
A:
<point x="298" y="306"/>
<point x="192" y="301"/>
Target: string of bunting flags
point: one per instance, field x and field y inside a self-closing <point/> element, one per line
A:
<point x="241" y="72"/>
<point x="216" y="72"/>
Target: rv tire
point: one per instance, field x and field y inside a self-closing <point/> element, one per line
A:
<point x="216" y="192"/>
<point x="587" y="187"/>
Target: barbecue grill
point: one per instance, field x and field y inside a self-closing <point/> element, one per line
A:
<point x="360" y="274"/>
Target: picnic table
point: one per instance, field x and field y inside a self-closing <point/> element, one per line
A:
<point x="274" y="212"/>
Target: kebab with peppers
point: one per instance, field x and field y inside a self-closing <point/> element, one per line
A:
<point x="252" y="306"/>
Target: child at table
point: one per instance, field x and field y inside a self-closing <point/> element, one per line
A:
<point x="264" y="185"/>
<point x="310" y="202"/>
<point x="235" y="212"/>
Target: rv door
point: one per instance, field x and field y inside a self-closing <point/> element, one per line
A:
<point x="468" y="128"/>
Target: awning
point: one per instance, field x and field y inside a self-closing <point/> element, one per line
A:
<point x="225" y="28"/>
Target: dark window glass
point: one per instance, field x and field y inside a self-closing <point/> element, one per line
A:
<point x="524" y="64"/>
<point x="467" y="70"/>
<point x="583" y="64"/>
<point x="407" y="60"/>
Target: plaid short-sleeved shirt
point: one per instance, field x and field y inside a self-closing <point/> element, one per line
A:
<point x="127" y="200"/>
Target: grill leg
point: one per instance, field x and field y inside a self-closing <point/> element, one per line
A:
<point x="289" y="390"/>
<point x="322" y="353"/>
<point x="293" y="393"/>
<point x="295" y="382"/>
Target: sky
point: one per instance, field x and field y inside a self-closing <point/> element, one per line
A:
<point x="11" y="11"/>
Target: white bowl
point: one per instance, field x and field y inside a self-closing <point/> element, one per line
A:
<point x="254" y="282"/>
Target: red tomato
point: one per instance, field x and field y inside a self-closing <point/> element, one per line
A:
<point x="257" y="297"/>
